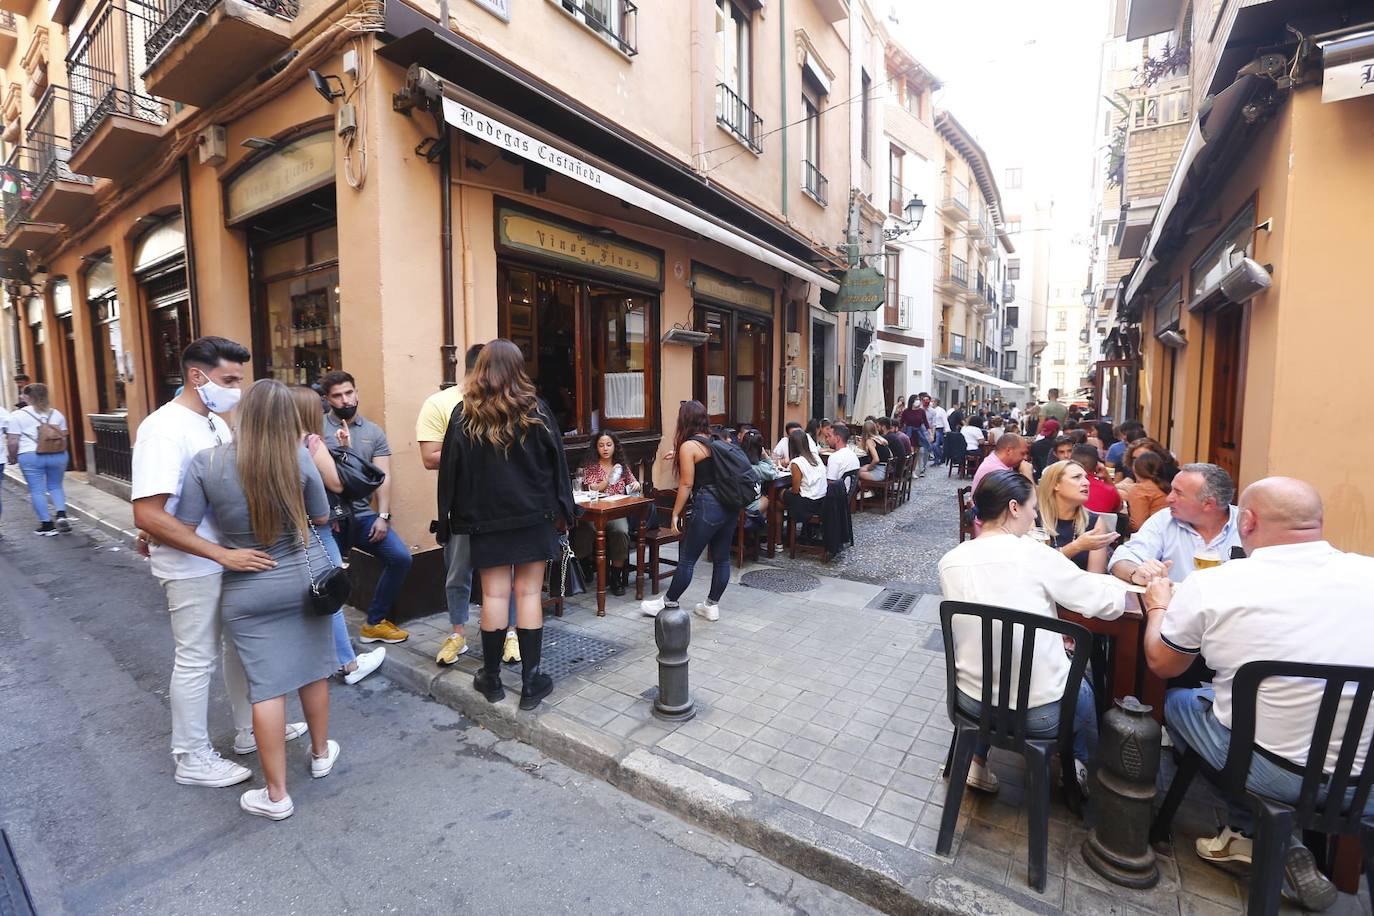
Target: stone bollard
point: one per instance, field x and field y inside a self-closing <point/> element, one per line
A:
<point x="1118" y="848"/>
<point x="673" y="633"/>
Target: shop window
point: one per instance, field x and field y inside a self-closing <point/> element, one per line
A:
<point x="733" y="377"/>
<point x="588" y="348"/>
<point x="111" y="356"/>
<point x="300" y="288"/>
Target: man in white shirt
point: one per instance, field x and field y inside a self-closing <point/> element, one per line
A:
<point x="780" y="451"/>
<point x="188" y="564"/>
<point x="842" y="459"/>
<point x="1200" y="519"/>
<point x="1295" y="598"/>
<point x="4" y="448"/>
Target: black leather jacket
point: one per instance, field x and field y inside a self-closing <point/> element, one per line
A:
<point x="482" y="489"/>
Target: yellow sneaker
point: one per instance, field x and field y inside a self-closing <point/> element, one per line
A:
<point x="453" y="647"/>
<point x="511" y="653"/>
<point x="386" y="631"/>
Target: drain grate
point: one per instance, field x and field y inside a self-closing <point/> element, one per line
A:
<point x="14" y="893"/>
<point x="894" y="601"/>
<point x="780" y="580"/>
<point x="566" y="652"/>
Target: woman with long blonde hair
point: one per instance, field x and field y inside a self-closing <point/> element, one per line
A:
<point x="1073" y="530"/>
<point x="265" y="494"/>
<point x="504" y="482"/>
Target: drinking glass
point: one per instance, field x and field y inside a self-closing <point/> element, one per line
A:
<point x="1206" y="559"/>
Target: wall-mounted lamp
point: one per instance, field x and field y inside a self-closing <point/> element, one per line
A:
<point x="321" y="83"/>
<point x="258" y="143"/>
<point x="914" y="211"/>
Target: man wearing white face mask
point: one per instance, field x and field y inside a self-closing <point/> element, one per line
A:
<point x="188" y="563"/>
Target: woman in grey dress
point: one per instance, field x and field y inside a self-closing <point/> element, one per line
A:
<point x="264" y="491"/>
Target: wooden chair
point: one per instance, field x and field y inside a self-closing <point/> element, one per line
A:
<point x="654" y="533"/>
<point x="1002" y="725"/>
<point x="792" y="523"/>
<point x="1276" y="820"/>
<point x="966" y="530"/>
<point x="907" y="477"/>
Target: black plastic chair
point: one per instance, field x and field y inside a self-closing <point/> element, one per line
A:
<point x="1276" y="820"/>
<point x="1002" y="726"/>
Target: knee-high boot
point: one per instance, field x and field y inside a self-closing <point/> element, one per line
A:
<point x="535" y="684"/>
<point x="488" y="680"/>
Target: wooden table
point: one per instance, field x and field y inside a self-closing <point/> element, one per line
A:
<point x="599" y="512"/>
<point x="1130" y="675"/>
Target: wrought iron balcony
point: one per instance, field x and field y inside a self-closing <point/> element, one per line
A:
<point x="958" y="271"/>
<point x="171" y="18"/>
<point x="1008" y="336"/>
<point x="1008" y="292"/>
<point x="16" y="187"/>
<point x="815" y="183"/>
<point x="615" y="20"/>
<point x="60" y="195"/>
<point x="9" y="34"/>
<point x="115" y="123"/>
<point x="735" y="115"/>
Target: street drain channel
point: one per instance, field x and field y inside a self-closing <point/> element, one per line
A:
<point x="894" y="601"/>
<point x="567" y="652"/>
<point x="779" y="580"/>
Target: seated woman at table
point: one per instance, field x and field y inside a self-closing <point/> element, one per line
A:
<point x="608" y="473"/>
<point x="1151" y="491"/>
<point x="973" y="434"/>
<point x="808" y="478"/>
<point x="995" y="430"/>
<point x="752" y="444"/>
<point x="1134" y="450"/>
<point x="1004" y="568"/>
<point x="1073" y="530"/>
<point x="874" y="454"/>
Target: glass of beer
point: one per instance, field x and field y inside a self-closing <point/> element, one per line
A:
<point x="1039" y="535"/>
<point x="1206" y="559"/>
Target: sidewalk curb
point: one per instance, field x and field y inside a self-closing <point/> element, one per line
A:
<point x="891" y="879"/>
<point x="76" y="510"/>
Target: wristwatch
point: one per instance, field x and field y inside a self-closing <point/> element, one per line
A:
<point x="384" y="516"/>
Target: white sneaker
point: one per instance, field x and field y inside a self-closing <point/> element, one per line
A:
<point x="981" y="778"/>
<point x="321" y="767"/>
<point x="1227" y="846"/>
<point x="368" y="662"/>
<point x="245" y="743"/>
<point x="708" y="610"/>
<point x="206" y="767"/>
<point x="257" y="801"/>
<point x="653" y="606"/>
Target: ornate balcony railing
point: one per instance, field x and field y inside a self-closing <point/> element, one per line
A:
<point x="105" y="67"/>
<point x="958" y="270"/>
<point x="172" y="18"/>
<point x="17" y="183"/>
<point x="615" y="20"/>
<point x="47" y="135"/>
<point x="735" y="115"/>
<point x="7" y="20"/>
<point x="815" y="182"/>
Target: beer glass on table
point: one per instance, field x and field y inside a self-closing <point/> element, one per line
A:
<point x="1206" y="559"/>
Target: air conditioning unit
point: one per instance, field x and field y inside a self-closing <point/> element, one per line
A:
<point x="685" y="336"/>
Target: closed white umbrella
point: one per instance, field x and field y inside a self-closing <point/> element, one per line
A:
<point x="868" y="400"/>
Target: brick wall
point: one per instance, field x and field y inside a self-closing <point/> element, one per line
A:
<point x="1150" y="158"/>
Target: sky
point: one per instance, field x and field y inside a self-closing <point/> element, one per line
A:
<point x="1022" y="77"/>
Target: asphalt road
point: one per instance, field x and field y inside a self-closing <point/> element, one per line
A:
<point x="425" y="812"/>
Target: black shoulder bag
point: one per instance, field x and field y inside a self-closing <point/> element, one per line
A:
<point x="330" y="590"/>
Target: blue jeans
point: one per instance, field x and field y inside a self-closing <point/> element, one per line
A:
<point x="1043" y="721"/>
<point x="923" y="451"/>
<point x="44" y="476"/>
<point x="710" y="525"/>
<point x="939" y="452"/>
<point x="343" y="646"/>
<point x="1188" y="715"/>
<point x="395" y="557"/>
<point x="458" y="580"/>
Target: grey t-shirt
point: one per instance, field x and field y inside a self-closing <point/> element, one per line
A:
<point x="212" y="479"/>
<point x="364" y="437"/>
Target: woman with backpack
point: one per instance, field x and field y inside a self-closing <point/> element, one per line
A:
<point x="38" y="438"/>
<point x="713" y="523"/>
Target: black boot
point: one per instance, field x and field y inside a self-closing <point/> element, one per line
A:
<point x="535" y="684"/>
<point x="618" y="578"/>
<point x="488" y="681"/>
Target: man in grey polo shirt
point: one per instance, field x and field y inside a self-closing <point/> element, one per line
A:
<point x="368" y="529"/>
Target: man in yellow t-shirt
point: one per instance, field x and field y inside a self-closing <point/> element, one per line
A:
<point x="430" y="428"/>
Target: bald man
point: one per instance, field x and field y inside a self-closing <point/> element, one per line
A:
<point x="1295" y="598"/>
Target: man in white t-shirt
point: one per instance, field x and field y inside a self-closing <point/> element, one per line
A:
<point x="1295" y="598"/>
<point x="781" y="452"/>
<point x="4" y="448"/>
<point x="939" y="424"/>
<point x="842" y="459"/>
<point x="188" y="564"/>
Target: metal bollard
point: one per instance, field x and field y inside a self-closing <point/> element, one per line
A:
<point x="673" y="633"/>
<point x="1118" y="848"/>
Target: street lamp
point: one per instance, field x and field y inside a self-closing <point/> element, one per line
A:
<point x="1088" y="297"/>
<point x="914" y="211"/>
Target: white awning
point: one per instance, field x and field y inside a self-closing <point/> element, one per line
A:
<point x="505" y="135"/>
<point x="978" y="378"/>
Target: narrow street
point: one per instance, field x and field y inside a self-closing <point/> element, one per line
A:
<point x="426" y="812"/>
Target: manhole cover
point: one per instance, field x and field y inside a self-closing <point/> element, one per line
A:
<point x="566" y="652"/>
<point x="14" y="893"/>
<point x="897" y="602"/>
<point x="780" y="580"/>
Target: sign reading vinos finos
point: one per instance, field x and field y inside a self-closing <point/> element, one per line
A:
<point x="573" y="245"/>
<point x="289" y="171"/>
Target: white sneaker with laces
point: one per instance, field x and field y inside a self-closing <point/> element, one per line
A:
<point x="206" y="767"/>
<point x="652" y="606"/>
<point x="707" y="610"/>
<point x="368" y="662"/>
<point x="321" y="767"/>
<point x="245" y="743"/>
<point x="258" y="802"/>
<point x="981" y="778"/>
<point x="1227" y="846"/>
